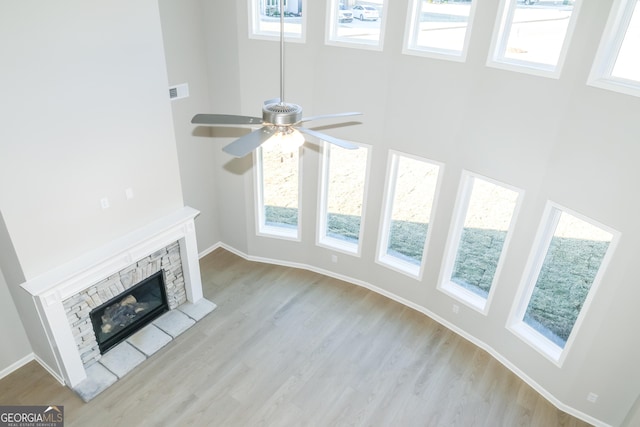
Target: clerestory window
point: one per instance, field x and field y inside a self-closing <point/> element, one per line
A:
<point x="617" y="64"/>
<point x="264" y="19"/>
<point x="439" y="29"/>
<point x="533" y="36"/>
<point x="356" y="24"/>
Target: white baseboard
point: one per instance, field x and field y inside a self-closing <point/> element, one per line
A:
<point x="53" y="372"/>
<point x="26" y="359"/>
<point x="210" y="249"/>
<point x="17" y="365"/>
<point x="500" y="358"/>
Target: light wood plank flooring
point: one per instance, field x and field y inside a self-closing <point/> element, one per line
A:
<point x="287" y="347"/>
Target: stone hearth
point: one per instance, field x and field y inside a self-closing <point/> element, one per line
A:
<point x="127" y="355"/>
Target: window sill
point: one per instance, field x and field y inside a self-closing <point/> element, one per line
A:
<point x="411" y="270"/>
<point x="532" y="337"/>
<point x="279" y="232"/>
<point x="465" y="296"/>
<point x="626" y="87"/>
<point x="339" y="245"/>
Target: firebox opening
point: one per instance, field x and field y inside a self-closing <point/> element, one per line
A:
<point x="120" y="317"/>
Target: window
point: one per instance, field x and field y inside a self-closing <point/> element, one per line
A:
<point x="264" y="19"/>
<point x="533" y="36"/>
<point x="343" y="181"/>
<point x="617" y="64"/>
<point x="354" y="24"/>
<point x="569" y="258"/>
<point x="439" y="28"/>
<point x="478" y="238"/>
<point x="412" y="185"/>
<point x="278" y="184"/>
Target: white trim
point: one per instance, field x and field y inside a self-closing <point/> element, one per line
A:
<point x="610" y="45"/>
<point x="384" y="229"/>
<point x="256" y="34"/>
<point x="263" y="229"/>
<point x="17" y="365"/>
<point x="546" y="231"/>
<point x="502" y="30"/>
<point x="322" y="239"/>
<point x="26" y="359"/>
<point x="410" y="46"/>
<point x="209" y="250"/>
<point x="504" y="361"/>
<point x="465" y="191"/>
<point x="332" y="39"/>
<point x="47" y="368"/>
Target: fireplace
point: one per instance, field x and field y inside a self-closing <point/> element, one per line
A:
<point x="65" y="296"/>
<point x="120" y="317"/>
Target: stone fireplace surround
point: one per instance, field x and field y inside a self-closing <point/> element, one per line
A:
<point x="84" y="275"/>
<point x="79" y="306"/>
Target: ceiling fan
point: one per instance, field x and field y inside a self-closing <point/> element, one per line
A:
<point x="279" y="120"/>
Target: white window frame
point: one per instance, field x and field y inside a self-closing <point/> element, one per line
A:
<point x="516" y="323"/>
<point x="322" y="239"/>
<point x="610" y="44"/>
<point x="410" y="47"/>
<point x="445" y="284"/>
<point x="500" y="38"/>
<point x="331" y="38"/>
<point x="382" y="257"/>
<point x="263" y="229"/>
<point x="254" y="25"/>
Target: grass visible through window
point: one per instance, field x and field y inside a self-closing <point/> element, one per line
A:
<point x="567" y="274"/>
<point x="568" y="270"/>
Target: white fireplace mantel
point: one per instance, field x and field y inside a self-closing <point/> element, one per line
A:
<point x="50" y="289"/>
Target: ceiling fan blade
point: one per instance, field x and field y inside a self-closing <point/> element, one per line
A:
<point x="330" y="116"/>
<point x="224" y="119"/>
<point x="336" y="141"/>
<point x="246" y="144"/>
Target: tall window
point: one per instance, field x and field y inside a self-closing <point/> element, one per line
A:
<point x="278" y="184"/>
<point x="478" y="239"/>
<point x="343" y="182"/>
<point x="570" y="257"/>
<point x="354" y="23"/>
<point x="264" y="19"/>
<point x="440" y="29"/>
<point x="412" y="184"/>
<point x="617" y="64"/>
<point x="534" y="36"/>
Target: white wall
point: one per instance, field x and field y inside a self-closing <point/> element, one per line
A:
<point x="186" y="54"/>
<point x="557" y="139"/>
<point x="85" y="115"/>
<point x="15" y="345"/>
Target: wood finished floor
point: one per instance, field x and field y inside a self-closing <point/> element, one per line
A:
<point x="288" y="347"/>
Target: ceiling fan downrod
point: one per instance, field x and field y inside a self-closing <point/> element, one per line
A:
<point x="282" y="52"/>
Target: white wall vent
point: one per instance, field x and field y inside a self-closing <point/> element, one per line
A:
<point x="179" y="91"/>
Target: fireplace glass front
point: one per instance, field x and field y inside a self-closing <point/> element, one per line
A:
<point x="120" y="317"/>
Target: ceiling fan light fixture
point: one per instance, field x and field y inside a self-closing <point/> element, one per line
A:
<point x="288" y="139"/>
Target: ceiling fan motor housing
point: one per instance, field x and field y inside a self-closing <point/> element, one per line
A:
<point x="281" y="114"/>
